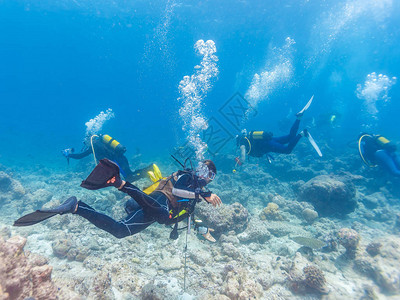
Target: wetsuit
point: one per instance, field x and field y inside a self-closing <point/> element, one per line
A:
<point x="261" y="146"/>
<point x="383" y="155"/>
<point x="152" y="208"/>
<point x="102" y="151"/>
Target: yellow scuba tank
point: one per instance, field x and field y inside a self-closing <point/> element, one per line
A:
<point x="113" y="144"/>
<point x="382" y="141"/>
<point x="260" y="135"/>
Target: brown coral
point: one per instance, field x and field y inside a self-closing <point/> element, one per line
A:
<point x="271" y="212"/>
<point x="349" y="239"/>
<point x="315" y="279"/>
<point x="21" y="277"/>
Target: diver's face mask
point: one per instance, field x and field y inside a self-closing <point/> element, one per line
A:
<point x="204" y="173"/>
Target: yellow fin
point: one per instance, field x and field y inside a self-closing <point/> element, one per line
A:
<point x="151" y="188"/>
<point x="152" y="176"/>
<point x="157" y="172"/>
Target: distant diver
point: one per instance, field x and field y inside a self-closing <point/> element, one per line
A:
<point x="376" y="150"/>
<point x="260" y="143"/>
<point x="168" y="201"/>
<point x="104" y="146"/>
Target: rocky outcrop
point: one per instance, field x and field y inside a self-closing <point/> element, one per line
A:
<point x="224" y="219"/>
<point x="23" y="276"/>
<point x="330" y="195"/>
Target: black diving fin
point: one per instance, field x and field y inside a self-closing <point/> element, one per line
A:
<point x="43" y="214"/>
<point x="104" y="171"/>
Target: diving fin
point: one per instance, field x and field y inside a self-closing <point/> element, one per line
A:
<point x="314" y="144"/>
<point x="43" y="214"/>
<point x="105" y="170"/>
<point x="152" y="176"/>
<point x="157" y="172"/>
<point x="301" y="112"/>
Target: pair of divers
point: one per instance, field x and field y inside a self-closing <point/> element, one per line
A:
<point x="104" y="146"/>
<point x="168" y="200"/>
<point x="376" y="150"/>
<point x="260" y="143"/>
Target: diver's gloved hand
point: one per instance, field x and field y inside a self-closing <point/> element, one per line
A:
<point x="206" y="233"/>
<point x="67" y="152"/>
<point x="105" y="174"/>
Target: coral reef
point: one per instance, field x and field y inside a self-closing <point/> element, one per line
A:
<point x="271" y="212"/>
<point x="349" y="238"/>
<point x="229" y="217"/>
<point x="21" y="276"/>
<point x="330" y="195"/>
<point x="315" y="279"/>
<point x="373" y="248"/>
<point x="309" y="215"/>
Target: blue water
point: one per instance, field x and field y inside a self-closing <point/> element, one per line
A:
<point x="63" y="62"/>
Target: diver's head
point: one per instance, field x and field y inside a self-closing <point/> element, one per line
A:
<point x="206" y="172"/>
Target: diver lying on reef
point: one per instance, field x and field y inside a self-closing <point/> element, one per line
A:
<point x="259" y="143"/>
<point x="376" y="150"/>
<point x="171" y="200"/>
<point x="104" y="146"/>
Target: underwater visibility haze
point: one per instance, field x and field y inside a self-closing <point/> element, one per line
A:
<point x="310" y="198"/>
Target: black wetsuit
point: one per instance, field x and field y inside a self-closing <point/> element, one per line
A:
<point x="383" y="155"/>
<point x="103" y="151"/>
<point x="282" y="144"/>
<point x="152" y="208"/>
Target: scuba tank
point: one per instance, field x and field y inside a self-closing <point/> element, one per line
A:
<point x="260" y="135"/>
<point x="113" y="144"/>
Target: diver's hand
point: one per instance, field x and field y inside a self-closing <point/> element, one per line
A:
<point x="208" y="235"/>
<point x="117" y="182"/>
<point x="66" y="152"/>
<point x="214" y="200"/>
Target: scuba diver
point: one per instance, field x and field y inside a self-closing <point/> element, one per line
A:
<point x="376" y="150"/>
<point x="104" y="146"/>
<point x="168" y="201"/>
<point x="260" y="143"/>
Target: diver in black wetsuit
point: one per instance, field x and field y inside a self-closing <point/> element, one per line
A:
<point x="259" y="143"/>
<point x="376" y="150"/>
<point x="171" y="202"/>
<point x="103" y="146"/>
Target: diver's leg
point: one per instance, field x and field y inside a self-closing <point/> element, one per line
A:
<point x="277" y="147"/>
<point x="126" y="171"/>
<point x="140" y="173"/>
<point x="133" y="223"/>
<point x="148" y="203"/>
<point x="291" y="136"/>
<point x="386" y="161"/>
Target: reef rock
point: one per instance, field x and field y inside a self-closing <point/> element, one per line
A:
<point x="330" y="195"/>
<point x="271" y="212"/>
<point x="228" y="217"/>
<point x="22" y="277"/>
<point x="349" y="238"/>
<point x="255" y="232"/>
<point x="383" y="267"/>
<point x="309" y="215"/>
<point x="305" y="278"/>
<point x="10" y="186"/>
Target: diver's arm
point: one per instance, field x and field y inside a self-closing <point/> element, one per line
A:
<point x="83" y="154"/>
<point x="183" y="188"/>
<point x="243" y="153"/>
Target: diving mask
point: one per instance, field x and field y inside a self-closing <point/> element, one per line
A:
<point x="204" y="172"/>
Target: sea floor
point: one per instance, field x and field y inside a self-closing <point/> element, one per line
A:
<point x="258" y="253"/>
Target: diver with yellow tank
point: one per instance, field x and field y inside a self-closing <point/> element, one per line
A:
<point x="260" y="143"/>
<point x="104" y="146"/>
<point x="376" y="150"/>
